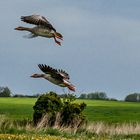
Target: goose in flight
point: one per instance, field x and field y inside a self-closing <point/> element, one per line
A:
<point x="57" y="77"/>
<point x="43" y="28"/>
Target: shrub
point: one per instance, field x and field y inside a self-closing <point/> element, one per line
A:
<point x="72" y="115"/>
<point x="47" y="103"/>
<point x="50" y="110"/>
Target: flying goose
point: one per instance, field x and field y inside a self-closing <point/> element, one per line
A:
<point x="43" y="28"/>
<point x="57" y="77"/>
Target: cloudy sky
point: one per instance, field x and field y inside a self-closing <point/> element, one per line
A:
<point x="100" y="51"/>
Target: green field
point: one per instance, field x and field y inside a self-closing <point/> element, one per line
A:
<point x="108" y="111"/>
<point x="109" y="120"/>
<point x="112" y="111"/>
<point x="17" y="108"/>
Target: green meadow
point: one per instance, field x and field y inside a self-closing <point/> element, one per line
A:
<point x="107" y="120"/>
<point x="17" y="108"/>
<point x="96" y="110"/>
<point x="112" y="111"/>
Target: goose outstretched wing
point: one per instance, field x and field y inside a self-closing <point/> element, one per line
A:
<point x="37" y="20"/>
<point x="64" y="74"/>
<point x="51" y="71"/>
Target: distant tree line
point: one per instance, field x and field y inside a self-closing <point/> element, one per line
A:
<point x="6" y="92"/>
<point x="134" y="97"/>
<point x="96" y="95"/>
<point x="28" y="96"/>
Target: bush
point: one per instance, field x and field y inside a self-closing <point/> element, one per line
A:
<point x="50" y="110"/>
<point x="47" y="103"/>
<point x="71" y="114"/>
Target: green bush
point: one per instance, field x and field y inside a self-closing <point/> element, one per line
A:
<point x="49" y="106"/>
<point x="72" y="115"/>
<point x="47" y="103"/>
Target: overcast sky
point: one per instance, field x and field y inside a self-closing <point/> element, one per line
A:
<point x="100" y="51"/>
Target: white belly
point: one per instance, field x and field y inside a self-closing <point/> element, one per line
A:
<point x="42" y="32"/>
<point x="54" y="81"/>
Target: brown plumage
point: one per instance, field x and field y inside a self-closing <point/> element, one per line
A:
<point x="58" y="77"/>
<point x="43" y="27"/>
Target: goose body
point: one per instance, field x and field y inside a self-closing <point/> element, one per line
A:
<point x="41" y="31"/>
<point x="57" y="77"/>
<point x="53" y="80"/>
<point x="43" y="28"/>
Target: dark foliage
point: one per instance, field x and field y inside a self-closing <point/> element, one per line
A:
<point x="94" y="95"/>
<point x="5" y="92"/>
<point x="112" y="99"/>
<point x="72" y="114"/>
<point x="97" y="96"/>
<point x="26" y="96"/>
<point x="135" y="97"/>
<point x="51" y="104"/>
<point x="47" y="103"/>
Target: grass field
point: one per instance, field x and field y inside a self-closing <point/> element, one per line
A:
<point x="96" y="110"/>
<point x="108" y="120"/>
<point x="17" y="108"/>
<point x="112" y="111"/>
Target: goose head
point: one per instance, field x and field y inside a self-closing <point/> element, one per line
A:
<point x="37" y="75"/>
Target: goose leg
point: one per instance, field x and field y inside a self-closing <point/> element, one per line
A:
<point x="57" y="42"/>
